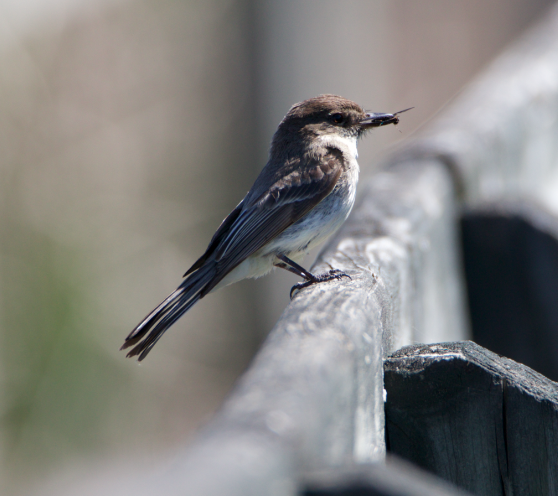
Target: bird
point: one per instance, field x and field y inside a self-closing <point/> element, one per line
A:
<point x="300" y="198"/>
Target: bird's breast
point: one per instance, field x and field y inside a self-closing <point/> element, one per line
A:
<point x="323" y="220"/>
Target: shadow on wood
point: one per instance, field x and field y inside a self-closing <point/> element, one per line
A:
<point x="395" y="477"/>
<point x="511" y="267"/>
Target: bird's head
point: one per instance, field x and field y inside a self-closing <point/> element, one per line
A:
<point x="333" y="115"/>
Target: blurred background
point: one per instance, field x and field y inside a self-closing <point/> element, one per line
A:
<point x="128" y="130"/>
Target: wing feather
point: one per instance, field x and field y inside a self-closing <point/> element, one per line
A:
<point x="248" y="227"/>
<point x="287" y="201"/>
<point x="217" y="238"/>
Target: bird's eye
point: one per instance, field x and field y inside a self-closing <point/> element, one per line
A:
<point x="337" y="118"/>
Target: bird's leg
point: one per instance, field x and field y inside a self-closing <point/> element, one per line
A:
<point x="293" y="267"/>
<point x="309" y="278"/>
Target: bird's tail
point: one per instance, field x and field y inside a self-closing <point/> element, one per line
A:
<point x="168" y="312"/>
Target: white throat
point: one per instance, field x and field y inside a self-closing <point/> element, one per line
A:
<point x="345" y="143"/>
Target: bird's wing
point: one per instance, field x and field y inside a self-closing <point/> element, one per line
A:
<point x="242" y="233"/>
<point x="217" y="238"/>
<point x="284" y="203"/>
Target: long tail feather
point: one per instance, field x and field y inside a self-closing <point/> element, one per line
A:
<point x="152" y="327"/>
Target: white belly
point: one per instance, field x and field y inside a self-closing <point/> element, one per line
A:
<point x="314" y="228"/>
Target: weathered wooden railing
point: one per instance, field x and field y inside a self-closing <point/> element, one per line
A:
<point x="308" y="415"/>
<point x="314" y="396"/>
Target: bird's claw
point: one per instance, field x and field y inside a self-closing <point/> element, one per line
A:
<point x="334" y="274"/>
<point x="328" y="276"/>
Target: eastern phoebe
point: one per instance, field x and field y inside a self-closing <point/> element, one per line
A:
<point x="301" y="197"/>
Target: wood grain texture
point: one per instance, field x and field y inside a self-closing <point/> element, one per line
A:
<point x="480" y="421"/>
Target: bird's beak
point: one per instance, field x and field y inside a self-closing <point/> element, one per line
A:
<point x="374" y="119"/>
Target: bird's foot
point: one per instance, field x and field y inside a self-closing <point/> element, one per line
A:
<point x="328" y="276"/>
